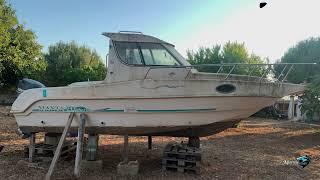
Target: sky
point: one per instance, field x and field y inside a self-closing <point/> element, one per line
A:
<point x="189" y="24"/>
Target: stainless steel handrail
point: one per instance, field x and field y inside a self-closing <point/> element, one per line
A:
<point x="270" y="66"/>
<point x="225" y="64"/>
<point x="131" y="32"/>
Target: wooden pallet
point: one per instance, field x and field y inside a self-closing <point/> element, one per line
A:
<point x="47" y="150"/>
<point x="180" y="162"/>
<point x="181" y="158"/>
<point x="182" y="151"/>
<point x="195" y="170"/>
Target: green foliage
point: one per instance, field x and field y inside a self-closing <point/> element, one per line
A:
<point x="69" y="62"/>
<point x="311" y="99"/>
<point x="205" y="56"/>
<point x="231" y="52"/>
<point x="307" y="51"/>
<point x="20" y="54"/>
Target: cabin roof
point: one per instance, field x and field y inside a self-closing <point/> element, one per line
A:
<point x="128" y="36"/>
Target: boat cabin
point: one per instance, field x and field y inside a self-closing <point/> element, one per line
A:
<point x="135" y="56"/>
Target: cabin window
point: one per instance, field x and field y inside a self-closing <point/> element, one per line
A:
<point x="225" y="88"/>
<point x="129" y="53"/>
<point x="156" y="54"/>
<point x="149" y="54"/>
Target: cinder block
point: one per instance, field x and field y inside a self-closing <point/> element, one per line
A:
<point x="92" y="165"/>
<point x="128" y="169"/>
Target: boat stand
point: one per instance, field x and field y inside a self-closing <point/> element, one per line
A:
<point x="126" y="167"/>
<point x="58" y="150"/>
<point x="149" y="142"/>
<point x="92" y="146"/>
<point x="79" y="149"/>
<point x="32" y="146"/>
<point x="125" y="152"/>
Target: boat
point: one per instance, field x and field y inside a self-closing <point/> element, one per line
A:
<point x="151" y="90"/>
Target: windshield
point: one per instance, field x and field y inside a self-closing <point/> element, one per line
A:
<point x="145" y="54"/>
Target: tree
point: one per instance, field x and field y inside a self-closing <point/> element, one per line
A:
<point x="231" y="52"/>
<point x="20" y="54"/>
<point x="205" y="56"/>
<point x="310" y="100"/>
<point x="307" y="51"/>
<point x="69" y="62"/>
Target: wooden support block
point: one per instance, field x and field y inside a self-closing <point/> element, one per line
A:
<point x="32" y="146"/>
<point x="58" y="150"/>
<point x="79" y="145"/>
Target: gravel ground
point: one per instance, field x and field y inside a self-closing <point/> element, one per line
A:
<point x="256" y="149"/>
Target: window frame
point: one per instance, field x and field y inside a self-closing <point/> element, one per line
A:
<point x="142" y="57"/>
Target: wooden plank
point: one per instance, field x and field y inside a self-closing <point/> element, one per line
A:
<point x="79" y="145"/>
<point x="32" y="146"/>
<point x="58" y="150"/>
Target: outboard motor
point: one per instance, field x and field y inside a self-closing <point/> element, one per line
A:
<point x="26" y="83"/>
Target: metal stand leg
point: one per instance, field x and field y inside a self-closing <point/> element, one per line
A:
<point x="125" y="148"/>
<point x="79" y="145"/>
<point x="32" y="145"/>
<point x="92" y="147"/>
<point x="149" y="142"/>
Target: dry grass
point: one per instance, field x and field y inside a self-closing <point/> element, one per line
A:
<point x="255" y="150"/>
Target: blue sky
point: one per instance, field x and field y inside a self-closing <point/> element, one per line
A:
<point x="187" y="23"/>
<point x="84" y="21"/>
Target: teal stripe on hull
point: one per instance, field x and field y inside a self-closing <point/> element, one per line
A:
<point x="175" y="110"/>
<point x="109" y="110"/>
<point x="86" y="110"/>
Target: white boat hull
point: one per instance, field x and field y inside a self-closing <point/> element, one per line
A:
<point x="160" y="116"/>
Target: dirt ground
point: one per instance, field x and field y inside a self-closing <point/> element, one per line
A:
<point x="257" y="149"/>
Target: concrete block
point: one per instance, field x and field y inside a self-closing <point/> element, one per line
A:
<point x="29" y="164"/>
<point x="130" y="168"/>
<point x="92" y="165"/>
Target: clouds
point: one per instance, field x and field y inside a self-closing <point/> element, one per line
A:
<point x="268" y="32"/>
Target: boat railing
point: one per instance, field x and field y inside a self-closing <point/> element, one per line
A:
<point x="131" y="32"/>
<point x="227" y="69"/>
